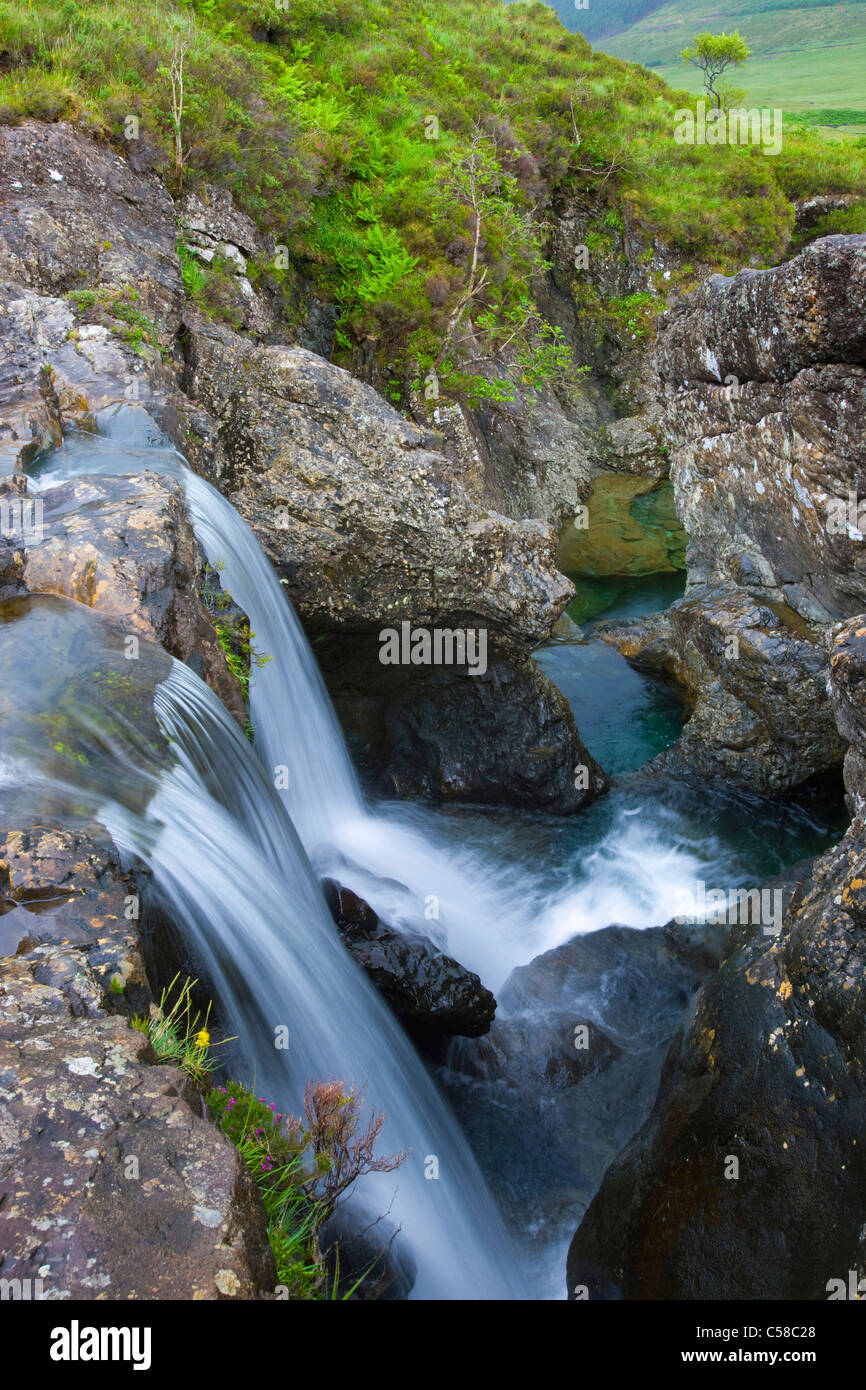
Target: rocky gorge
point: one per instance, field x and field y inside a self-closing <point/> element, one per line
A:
<point x="737" y="428"/>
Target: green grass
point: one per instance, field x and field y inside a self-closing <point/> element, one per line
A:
<point x="806" y="55"/>
<point x="316" y="118"/>
<point x="116" y="310"/>
<point x="302" y="1168"/>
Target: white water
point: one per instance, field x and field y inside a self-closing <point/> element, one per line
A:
<point x="223" y="847"/>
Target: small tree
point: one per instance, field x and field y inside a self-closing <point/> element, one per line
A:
<point x="714" y="54"/>
<point x="182" y="45"/>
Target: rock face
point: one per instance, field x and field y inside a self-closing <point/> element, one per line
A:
<point x="769" y="1072"/>
<point x="755" y="677"/>
<point x="75" y="216"/>
<point x="757" y="464"/>
<point x="502" y="737"/>
<point x="430" y="991"/>
<point x="765" y="383"/>
<point x="98" y="1139"/>
<point x="361" y="512"/>
<point x="632" y="528"/>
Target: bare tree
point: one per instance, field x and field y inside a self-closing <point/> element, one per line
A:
<point x="182" y="45"/>
<point x="469" y="180"/>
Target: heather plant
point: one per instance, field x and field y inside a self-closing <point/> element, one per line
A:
<point x="303" y="1168"/>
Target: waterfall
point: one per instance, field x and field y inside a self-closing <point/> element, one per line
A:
<point x="238" y="863"/>
<point x="201" y="816"/>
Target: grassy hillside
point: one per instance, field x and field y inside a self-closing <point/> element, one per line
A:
<point x="318" y="117"/>
<point x="807" y="55"/>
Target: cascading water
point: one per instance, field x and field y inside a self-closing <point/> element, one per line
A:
<point x="232" y="857"/>
<point x="226" y="863"/>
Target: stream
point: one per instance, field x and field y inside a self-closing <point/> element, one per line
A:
<point x="236" y="863"/>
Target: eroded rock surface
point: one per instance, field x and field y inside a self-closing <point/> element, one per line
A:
<point x="764" y="377"/>
<point x="98" y="1139"/>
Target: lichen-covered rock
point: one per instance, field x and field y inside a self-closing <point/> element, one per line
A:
<point x="221" y="236"/>
<point x="98" y="1140"/>
<point x="356" y="508"/>
<point x="764" y="377"/>
<point x="758" y="462"/>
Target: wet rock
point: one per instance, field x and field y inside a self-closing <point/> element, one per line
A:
<point x="99" y="1140"/>
<point x="57" y="372"/>
<point x="755" y="677"/>
<point x="430" y="991"/>
<point x="365" y="1260"/>
<point x="12" y="492"/>
<point x="65" y="888"/>
<point x="506" y="737"/>
<point x="125" y="547"/>
<point x="767" y="1073"/>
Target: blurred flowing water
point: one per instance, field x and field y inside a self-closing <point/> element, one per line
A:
<point x="237" y="862"/>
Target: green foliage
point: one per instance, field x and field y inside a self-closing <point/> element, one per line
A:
<point x="116" y="310"/>
<point x="302" y="1167"/>
<point x="178" y="1032"/>
<point x="714" y="54"/>
<point x="317" y="119"/>
<point x="192" y="270"/>
<point x="232" y="628"/>
<point x="832" y="116"/>
<point x="635" y="312"/>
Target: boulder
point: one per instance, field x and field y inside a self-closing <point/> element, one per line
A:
<point x="354" y="505"/>
<point x="502" y="738"/>
<point x="429" y="990"/>
<point x="754" y="674"/>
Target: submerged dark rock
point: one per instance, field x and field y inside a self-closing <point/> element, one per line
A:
<point x="565" y="1078"/>
<point x="430" y="991"/>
